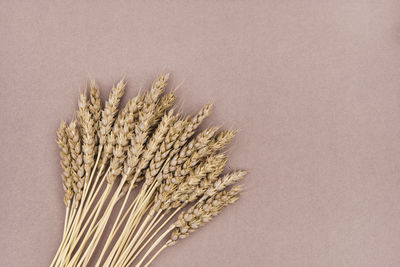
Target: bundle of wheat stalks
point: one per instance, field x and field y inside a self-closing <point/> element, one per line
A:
<point x="143" y="164"/>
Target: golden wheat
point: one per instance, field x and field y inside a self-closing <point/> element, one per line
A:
<point x="106" y="153"/>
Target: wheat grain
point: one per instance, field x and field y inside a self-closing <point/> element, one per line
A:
<point x="164" y="104"/>
<point x="65" y="161"/>
<point x="75" y="147"/>
<point x="95" y="109"/>
<point x="87" y="127"/>
<point x="110" y="109"/>
<point x="95" y="102"/>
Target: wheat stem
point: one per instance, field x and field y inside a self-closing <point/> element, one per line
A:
<point x="130" y="227"/>
<point x="112" y="235"/>
<point x="126" y="253"/>
<point x="155" y="255"/>
<point x="66" y="222"/>
<point x="104" y="221"/>
<point x="131" y="235"/>
<point x="155" y="232"/>
<point x="144" y="204"/>
<point x="100" y="149"/>
<point x="131" y="222"/>
<point x="93" y="197"/>
<point x="65" y="243"/>
<point x="121" y="238"/>
<point x="155" y="244"/>
<point x="82" y="231"/>
<point x="101" y="203"/>
<point x="149" y="228"/>
<point x="66" y="219"/>
<point x="109" y="239"/>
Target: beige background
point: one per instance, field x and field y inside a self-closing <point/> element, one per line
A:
<point x="313" y="85"/>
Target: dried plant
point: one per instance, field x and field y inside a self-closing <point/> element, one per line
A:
<point x="106" y="153"/>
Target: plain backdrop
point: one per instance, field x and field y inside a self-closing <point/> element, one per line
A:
<point x="313" y="86"/>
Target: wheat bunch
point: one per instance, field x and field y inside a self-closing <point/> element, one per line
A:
<point x="106" y="153"/>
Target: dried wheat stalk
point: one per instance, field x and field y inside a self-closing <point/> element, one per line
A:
<point x="106" y="153"/>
